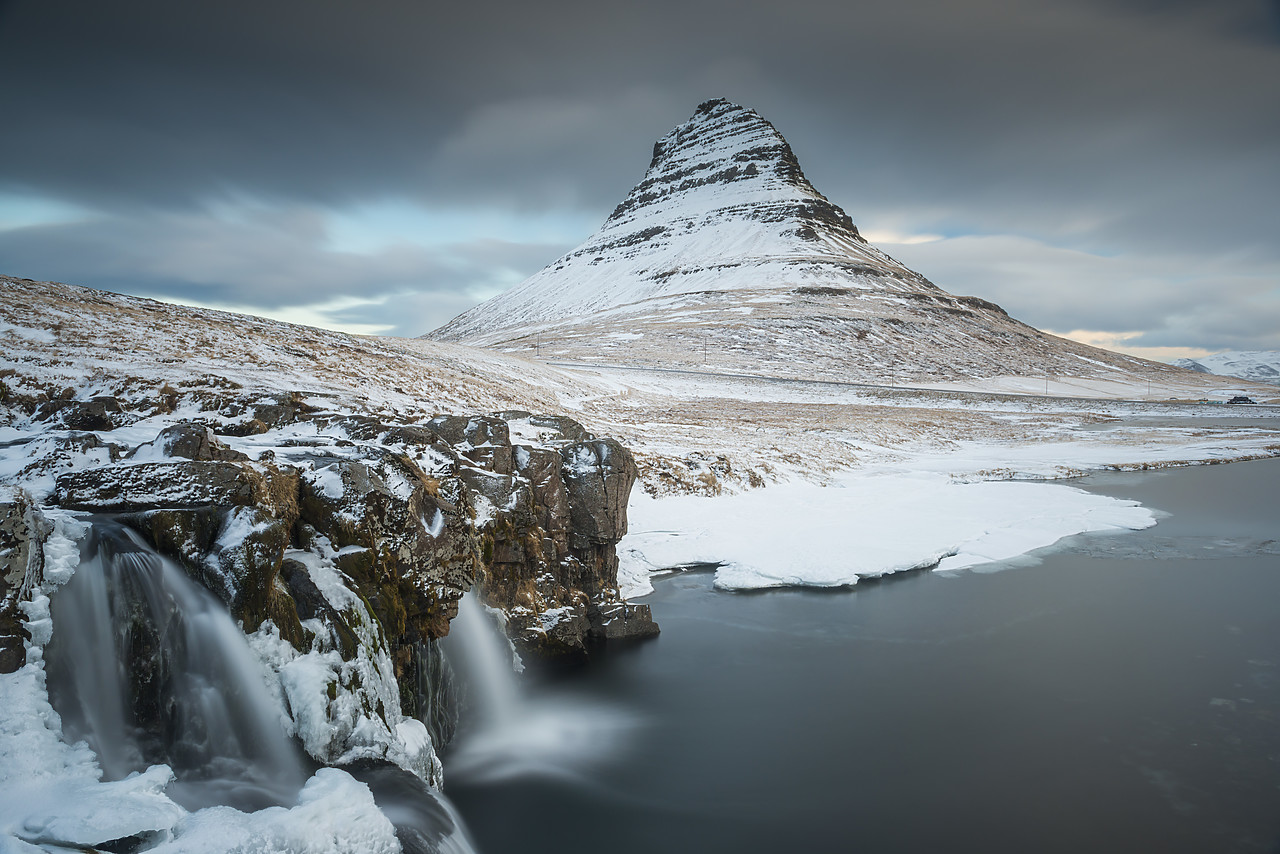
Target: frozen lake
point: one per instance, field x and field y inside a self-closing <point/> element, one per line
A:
<point x="1121" y="693"/>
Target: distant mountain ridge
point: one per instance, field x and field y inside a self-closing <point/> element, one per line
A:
<point x="726" y="256"/>
<point x="1261" y="366"/>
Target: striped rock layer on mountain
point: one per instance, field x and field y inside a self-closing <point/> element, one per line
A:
<point x="725" y="255"/>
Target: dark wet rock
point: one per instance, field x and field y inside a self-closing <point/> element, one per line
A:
<point x="23" y="530"/>
<point x="124" y="488"/>
<point x="227" y="523"/>
<point x="598" y="476"/>
<point x="99" y="413"/>
<point x="191" y="441"/>
<point x="431" y="695"/>
<point x="622" y="621"/>
<point x="404" y="537"/>
<point x="310" y="604"/>
<point x="186" y="534"/>
<point x="556" y="634"/>
<point x="483" y="439"/>
<point x="245" y="564"/>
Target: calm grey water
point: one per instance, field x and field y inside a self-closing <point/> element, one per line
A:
<point x="1122" y="695"/>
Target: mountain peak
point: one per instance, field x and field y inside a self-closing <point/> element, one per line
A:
<point x="726" y="149"/>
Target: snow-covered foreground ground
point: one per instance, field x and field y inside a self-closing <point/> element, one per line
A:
<point x="781" y="481"/>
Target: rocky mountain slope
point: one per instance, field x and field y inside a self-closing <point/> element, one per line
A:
<point x="1262" y="366"/>
<point x="725" y="256"/>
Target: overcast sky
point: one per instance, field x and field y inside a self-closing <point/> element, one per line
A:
<point x="1105" y="168"/>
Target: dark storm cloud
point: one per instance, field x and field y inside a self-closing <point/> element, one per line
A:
<point x="1139" y="127"/>
<point x="1251" y="20"/>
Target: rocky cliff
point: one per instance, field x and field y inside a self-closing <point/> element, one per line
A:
<point x="341" y="542"/>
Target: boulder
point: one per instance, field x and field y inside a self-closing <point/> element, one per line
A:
<point x="192" y="441"/>
<point x="124" y="488"/>
<point x="99" y="413"/>
<point x="622" y="621"/>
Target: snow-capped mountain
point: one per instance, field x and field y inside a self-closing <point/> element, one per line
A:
<point x="724" y="206"/>
<point x="1258" y="365"/>
<point x="725" y="255"/>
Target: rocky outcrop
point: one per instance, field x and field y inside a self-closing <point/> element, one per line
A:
<point x="22" y="534"/>
<point x="406" y="517"/>
<point x="98" y="413"/>
<point x="402" y="536"/>
<point x="550" y="531"/>
<point x="126" y="488"/>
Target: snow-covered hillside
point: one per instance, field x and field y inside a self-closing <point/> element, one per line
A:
<point x="725" y="256"/>
<point x="1262" y="366"/>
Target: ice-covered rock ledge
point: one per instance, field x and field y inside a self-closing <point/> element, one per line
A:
<point x="804" y="535"/>
<point x="341" y="544"/>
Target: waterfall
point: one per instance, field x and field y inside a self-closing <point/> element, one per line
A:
<point x="484" y="654"/>
<point x="147" y="667"/>
<point x="509" y="731"/>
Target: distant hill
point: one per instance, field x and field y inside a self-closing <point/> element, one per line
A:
<point x="1262" y="366"/>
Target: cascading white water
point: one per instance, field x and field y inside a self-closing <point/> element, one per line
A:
<point x="148" y="668"/>
<point x="485" y="657"/>
<point x="507" y="732"/>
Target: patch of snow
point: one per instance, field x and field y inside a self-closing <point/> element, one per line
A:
<point x="327" y="481"/>
<point x="42" y="336"/>
<point x="800" y="534"/>
<point x="336" y="814"/>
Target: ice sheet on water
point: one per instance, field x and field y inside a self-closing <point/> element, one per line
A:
<point x="801" y="534"/>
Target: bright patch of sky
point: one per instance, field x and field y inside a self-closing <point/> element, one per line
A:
<point x="372" y="226"/>
<point x="1118" y="342"/>
<point x="20" y="210"/>
<point x="319" y="315"/>
<point x="881" y="237"/>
